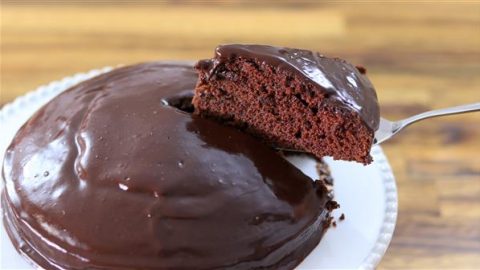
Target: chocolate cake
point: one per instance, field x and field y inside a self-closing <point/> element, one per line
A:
<point x="293" y="99"/>
<point x="111" y="174"/>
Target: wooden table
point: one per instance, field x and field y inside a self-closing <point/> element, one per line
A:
<point x="419" y="56"/>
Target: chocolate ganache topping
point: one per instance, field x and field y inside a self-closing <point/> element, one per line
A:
<point x="341" y="80"/>
<point x="109" y="175"/>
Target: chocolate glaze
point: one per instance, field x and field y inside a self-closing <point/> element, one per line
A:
<point x="341" y="80"/>
<point x="109" y="176"/>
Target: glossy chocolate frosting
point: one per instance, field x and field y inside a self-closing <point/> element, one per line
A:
<point x="108" y="175"/>
<point x="342" y="81"/>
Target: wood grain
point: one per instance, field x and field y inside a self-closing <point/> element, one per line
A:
<point x="420" y="56"/>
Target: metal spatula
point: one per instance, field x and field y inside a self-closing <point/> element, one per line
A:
<point x="388" y="129"/>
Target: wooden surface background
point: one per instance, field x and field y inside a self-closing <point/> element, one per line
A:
<point x="420" y="56"/>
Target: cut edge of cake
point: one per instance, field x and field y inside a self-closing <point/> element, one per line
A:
<point x="264" y="91"/>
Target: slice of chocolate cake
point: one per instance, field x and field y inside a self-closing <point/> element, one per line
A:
<point x="291" y="98"/>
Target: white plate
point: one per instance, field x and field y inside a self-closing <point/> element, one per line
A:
<point x="367" y="195"/>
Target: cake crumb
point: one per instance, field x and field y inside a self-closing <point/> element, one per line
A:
<point x="342" y="217"/>
<point x="332" y="205"/>
<point x="361" y="69"/>
<point x="334" y="223"/>
<point x="327" y="222"/>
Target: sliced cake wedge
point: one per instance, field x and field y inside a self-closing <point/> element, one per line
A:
<point x="291" y="98"/>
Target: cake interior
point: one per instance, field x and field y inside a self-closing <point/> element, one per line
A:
<point x="283" y="108"/>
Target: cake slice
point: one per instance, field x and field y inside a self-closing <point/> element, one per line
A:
<point x="291" y="98"/>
